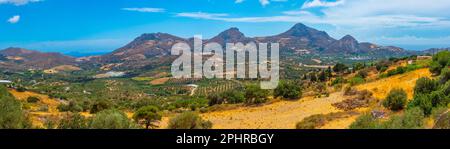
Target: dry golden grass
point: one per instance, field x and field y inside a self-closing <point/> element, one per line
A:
<point x="278" y="115"/>
<point x="407" y="81"/>
<point x="36" y="115"/>
<point x="159" y="81"/>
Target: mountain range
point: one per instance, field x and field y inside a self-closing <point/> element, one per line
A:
<point x="151" y="50"/>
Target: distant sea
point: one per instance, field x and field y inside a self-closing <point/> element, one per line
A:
<point x="84" y="54"/>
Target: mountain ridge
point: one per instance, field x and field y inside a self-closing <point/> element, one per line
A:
<point x="154" y="48"/>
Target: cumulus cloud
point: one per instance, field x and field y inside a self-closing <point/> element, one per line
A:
<point x="238" y="1"/>
<point x="264" y="2"/>
<point x="145" y="9"/>
<point x="321" y="3"/>
<point x="18" y="2"/>
<point x="14" y="19"/>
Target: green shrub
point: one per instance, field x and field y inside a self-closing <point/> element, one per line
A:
<point x="363" y="73"/>
<point x="111" y="119"/>
<point x="356" y="80"/>
<point x="425" y="86"/>
<point x="288" y="90"/>
<point x="396" y="100"/>
<point x="423" y="102"/>
<point x="21" y="89"/>
<point x="11" y="114"/>
<point x="99" y="106"/>
<point x="73" y="121"/>
<point x="231" y="96"/>
<point x="255" y="95"/>
<point x="147" y="115"/>
<point x="338" y="80"/>
<point x="73" y="106"/>
<point x="33" y="99"/>
<point x="365" y="121"/>
<point x="445" y="75"/>
<point x="440" y="61"/>
<point x="339" y="68"/>
<point x="311" y="122"/>
<point x="411" y="119"/>
<point x="189" y="120"/>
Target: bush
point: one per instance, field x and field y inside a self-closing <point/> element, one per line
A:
<point x="423" y="102"/>
<point x="425" y="86"/>
<point x="348" y="91"/>
<point x="382" y="66"/>
<point x="147" y="115"/>
<point x="440" y="61"/>
<point x="363" y="73"/>
<point x="11" y="114"/>
<point x="396" y="100"/>
<point x="99" y="106"/>
<point x="339" y="68"/>
<point x="73" y="106"/>
<point x="33" y="99"/>
<point x="398" y="70"/>
<point x="446" y="89"/>
<point x="73" y="121"/>
<point x="231" y="96"/>
<point x="111" y="119"/>
<point x="288" y="90"/>
<point x="411" y="119"/>
<point x="366" y="121"/>
<point x="189" y="120"/>
<point x="445" y="75"/>
<point x="255" y="95"/>
<point x="356" y="80"/>
<point x="312" y="122"/>
<point x="338" y="80"/>
<point x="21" y="89"/>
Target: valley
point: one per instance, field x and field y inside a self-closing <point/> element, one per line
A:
<point x="334" y="84"/>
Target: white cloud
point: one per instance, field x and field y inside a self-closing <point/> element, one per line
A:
<point x="202" y="15"/>
<point x="18" y="2"/>
<point x="361" y="14"/>
<point x="322" y="3"/>
<point x="238" y="1"/>
<point x="145" y="9"/>
<point x="264" y="2"/>
<point x="14" y="19"/>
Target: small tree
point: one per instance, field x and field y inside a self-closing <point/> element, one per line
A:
<point x="111" y="119"/>
<point x="255" y="95"/>
<point x="73" y="121"/>
<point x="322" y="76"/>
<point x="339" y="68"/>
<point x="329" y="72"/>
<point x="189" y="120"/>
<point x="425" y="86"/>
<point x="147" y="115"/>
<point x="99" y="106"/>
<point x="288" y="90"/>
<point x="396" y="100"/>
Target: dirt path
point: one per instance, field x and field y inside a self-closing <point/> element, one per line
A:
<point x="279" y="115"/>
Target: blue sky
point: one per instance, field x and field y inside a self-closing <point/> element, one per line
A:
<point x="105" y="25"/>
